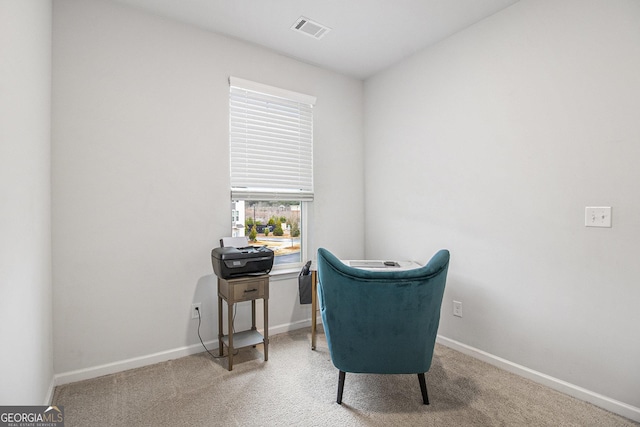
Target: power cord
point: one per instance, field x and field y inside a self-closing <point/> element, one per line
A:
<point x="202" y="342"/>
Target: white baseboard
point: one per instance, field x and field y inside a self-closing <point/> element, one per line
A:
<point x="286" y="327"/>
<point x="150" y="359"/>
<point x="49" y="397"/>
<point x="136" y="362"/>
<point x="600" y="400"/>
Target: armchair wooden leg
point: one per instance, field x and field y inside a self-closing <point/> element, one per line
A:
<point x="423" y="388"/>
<point x="340" y="386"/>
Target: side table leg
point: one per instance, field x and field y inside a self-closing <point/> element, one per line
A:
<point x="230" y="335"/>
<point x="253" y="315"/>
<point x="266" y="328"/>
<point x="220" y="345"/>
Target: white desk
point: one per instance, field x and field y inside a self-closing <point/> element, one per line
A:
<point x="375" y="265"/>
<point x="372" y="265"/>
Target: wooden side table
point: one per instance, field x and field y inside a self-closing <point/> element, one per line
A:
<point x="249" y="288"/>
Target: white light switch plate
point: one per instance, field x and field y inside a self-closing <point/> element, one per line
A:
<point x="597" y="216"/>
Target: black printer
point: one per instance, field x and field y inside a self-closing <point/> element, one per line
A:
<point x="229" y="262"/>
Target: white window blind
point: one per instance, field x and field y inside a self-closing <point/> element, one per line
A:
<point x="270" y="142"/>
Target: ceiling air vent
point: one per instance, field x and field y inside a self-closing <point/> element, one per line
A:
<point x="310" y="28"/>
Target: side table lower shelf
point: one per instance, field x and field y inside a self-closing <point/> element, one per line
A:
<point x="244" y="339"/>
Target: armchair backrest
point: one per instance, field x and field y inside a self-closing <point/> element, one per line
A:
<point x="381" y="321"/>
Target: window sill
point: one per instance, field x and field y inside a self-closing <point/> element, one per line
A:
<point x="284" y="274"/>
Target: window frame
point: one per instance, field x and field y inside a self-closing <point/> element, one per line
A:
<point x="300" y="191"/>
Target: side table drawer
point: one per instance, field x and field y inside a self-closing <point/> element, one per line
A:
<point x="244" y="288"/>
<point x="248" y="290"/>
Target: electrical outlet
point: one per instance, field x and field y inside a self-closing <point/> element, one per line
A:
<point x="457" y="308"/>
<point x="597" y="216"/>
<point x="195" y="308"/>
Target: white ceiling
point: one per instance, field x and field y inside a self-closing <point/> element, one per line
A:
<point x="366" y="35"/>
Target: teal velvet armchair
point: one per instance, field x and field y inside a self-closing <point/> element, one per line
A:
<point x="382" y="322"/>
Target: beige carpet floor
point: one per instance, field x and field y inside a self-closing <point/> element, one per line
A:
<point x="297" y="387"/>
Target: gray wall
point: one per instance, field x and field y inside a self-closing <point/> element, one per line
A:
<point x="26" y="359"/>
<point x="141" y="181"/>
<point x="491" y="143"/>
